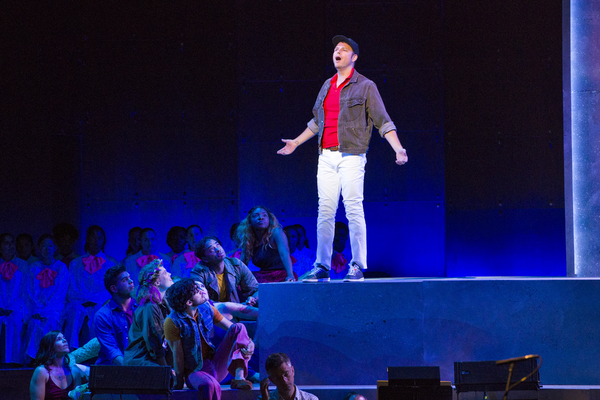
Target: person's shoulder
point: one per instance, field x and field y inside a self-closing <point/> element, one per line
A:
<point x="40" y="372"/>
<point x="200" y="267"/>
<point x="302" y="395"/>
<point x="235" y="262"/>
<point x="106" y="308"/>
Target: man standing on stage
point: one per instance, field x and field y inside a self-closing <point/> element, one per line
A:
<point x="347" y="108"/>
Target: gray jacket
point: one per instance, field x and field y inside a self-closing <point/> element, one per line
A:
<point x="361" y="108"/>
<point x="238" y="277"/>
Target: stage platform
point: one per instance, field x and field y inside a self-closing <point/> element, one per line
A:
<point x="370" y="392"/>
<point x="340" y="333"/>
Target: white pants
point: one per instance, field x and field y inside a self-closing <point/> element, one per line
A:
<point x="345" y="173"/>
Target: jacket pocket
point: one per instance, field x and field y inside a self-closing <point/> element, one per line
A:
<point x="354" y="109"/>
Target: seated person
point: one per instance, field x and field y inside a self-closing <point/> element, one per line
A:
<point x="262" y="240"/>
<point x="197" y="362"/>
<point x="45" y="294"/>
<point x="113" y="319"/>
<point x="66" y="235"/>
<point x="237" y="252"/>
<point x="184" y="263"/>
<point x="86" y="292"/>
<point x="146" y="334"/>
<point x="133" y="242"/>
<point x="147" y="254"/>
<point x="177" y="242"/>
<point x="55" y="376"/>
<point x="281" y="374"/>
<point x="228" y="281"/>
<point x="13" y="271"/>
<point x="26" y="248"/>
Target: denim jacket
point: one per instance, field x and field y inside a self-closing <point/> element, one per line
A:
<point x="238" y="276"/>
<point x="190" y="332"/>
<point x="361" y="108"/>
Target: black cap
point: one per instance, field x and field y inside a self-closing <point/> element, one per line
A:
<point x="342" y="38"/>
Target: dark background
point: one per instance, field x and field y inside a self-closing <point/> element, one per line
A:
<point x="156" y="114"/>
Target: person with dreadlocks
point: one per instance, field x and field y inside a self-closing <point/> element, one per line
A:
<point x="146" y="334"/>
<point x="264" y="242"/>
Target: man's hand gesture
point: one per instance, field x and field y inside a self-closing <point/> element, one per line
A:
<point x="290" y="146"/>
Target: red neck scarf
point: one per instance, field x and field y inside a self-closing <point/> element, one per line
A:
<point x="190" y="259"/>
<point x="46" y="277"/>
<point x="93" y="263"/>
<point x="144" y="260"/>
<point x="338" y="263"/>
<point x="7" y="270"/>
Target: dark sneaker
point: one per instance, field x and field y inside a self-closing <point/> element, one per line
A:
<point x="354" y="274"/>
<point x="317" y="274"/>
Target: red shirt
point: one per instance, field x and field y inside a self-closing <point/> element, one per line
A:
<point x="331" y="106"/>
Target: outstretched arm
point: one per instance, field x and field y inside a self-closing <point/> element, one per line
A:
<point x="401" y="156"/>
<point x="291" y="144"/>
<point x="284" y="253"/>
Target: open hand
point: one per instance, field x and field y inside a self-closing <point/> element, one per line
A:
<point x="290" y="146"/>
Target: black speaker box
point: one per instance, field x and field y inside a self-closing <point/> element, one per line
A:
<point x="480" y="376"/>
<point x="14" y="383"/>
<point x="130" y="380"/>
<point x="416" y="393"/>
<point x="413" y="376"/>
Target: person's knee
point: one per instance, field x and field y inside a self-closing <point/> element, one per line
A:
<point x="237" y="328"/>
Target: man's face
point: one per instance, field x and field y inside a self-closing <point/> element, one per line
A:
<point x="194" y="234"/>
<point x="201" y="296"/>
<point x="95" y="242"/>
<point x="47" y="249"/>
<point x="25" y="248"/>
<point x="7" y="248"/>
<point x="124" y="286"/>
<point x="134" y="240"/>
<point x="148" y="242"/>
<point x="282" y="377"/>
<point x="178" y="244"/>
<point x="213" y="252"/>
<point x="343" y="56"/>
<point x="65" y="244"/>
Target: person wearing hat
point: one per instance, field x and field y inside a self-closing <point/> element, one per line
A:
<point x="347" y="108"/>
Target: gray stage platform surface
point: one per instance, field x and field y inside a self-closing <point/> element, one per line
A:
<point x="349" y="333"/>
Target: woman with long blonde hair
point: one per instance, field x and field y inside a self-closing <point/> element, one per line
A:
<point x="263" y="241"/>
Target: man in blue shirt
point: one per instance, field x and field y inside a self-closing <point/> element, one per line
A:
<point x="113" y="320"/>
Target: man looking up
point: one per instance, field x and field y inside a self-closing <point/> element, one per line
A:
<point x="196" y="360"/>
<point x="226" y="279"/>
<point x="347" y="108"/>
<point x="113" y="319"/>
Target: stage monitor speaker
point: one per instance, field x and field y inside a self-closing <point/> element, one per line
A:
<point x="479" y="376"/>
<point x="130" y="380"/>
<point x="414" y="376"/>
<point x="14" y="383"/>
